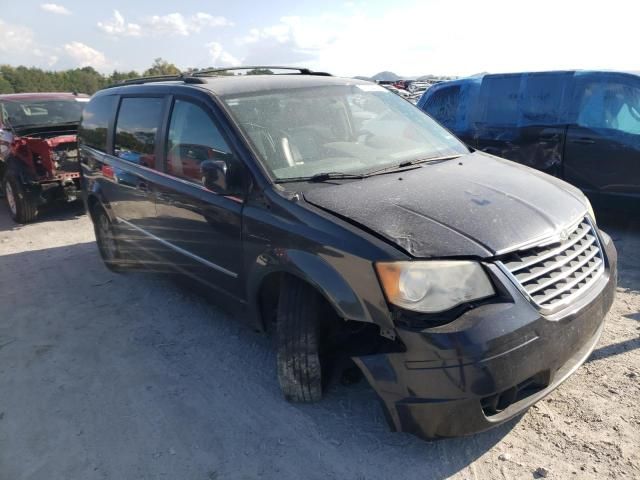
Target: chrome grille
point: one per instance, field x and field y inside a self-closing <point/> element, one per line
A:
<point x="554" y="274"/>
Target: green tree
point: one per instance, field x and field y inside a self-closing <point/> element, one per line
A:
<point x="259" y="71"/>
<point x="81" y="80"/>
<point x="5" y="86"/>
<point x="117" y="76"/>
<point x="162" y="67"/>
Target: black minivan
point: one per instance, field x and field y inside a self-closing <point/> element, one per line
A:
<point x="581" y="126"/>
<point x="343" y="219"/>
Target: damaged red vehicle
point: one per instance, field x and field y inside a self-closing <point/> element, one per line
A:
<point x="38" y="150"/>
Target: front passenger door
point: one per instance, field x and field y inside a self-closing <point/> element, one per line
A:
<point x="202" y="228"/>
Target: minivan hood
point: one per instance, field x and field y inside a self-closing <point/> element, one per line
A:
<point x="475" y="205"/>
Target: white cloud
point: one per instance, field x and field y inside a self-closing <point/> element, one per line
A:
<point x="117" y="26"/>
<point x="294" y="40"/>
<point x="15" y="38"/>
<point x="170" y="24"/>
<point x="220" y="57"/>
<point x="83" y="55"/>
<point x="55" y="8"/>
<point x="19" y="47"/>
<point x="178" y="24"/>
<point x="204" y="20"/>
<point x="431" y="37"/>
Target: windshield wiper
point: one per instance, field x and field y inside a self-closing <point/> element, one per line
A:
<point x="322" y="177"/>
<point x="411" y="163"/>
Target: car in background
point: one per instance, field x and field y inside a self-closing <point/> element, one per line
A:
<point x="580" y="126"/>
<point x="343" y="219"/>
<point x="38" y="150"/>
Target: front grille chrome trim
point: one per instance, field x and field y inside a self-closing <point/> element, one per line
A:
<point x="563" y="275"/>
<point x="549" y="254"/>
<point x="576" y="265"/>
<point x="554" y="266"/>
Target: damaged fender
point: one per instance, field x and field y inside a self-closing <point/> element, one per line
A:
<point x="318" y="272"/>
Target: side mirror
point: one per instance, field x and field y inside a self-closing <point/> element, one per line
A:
<point x="217" y="176"/>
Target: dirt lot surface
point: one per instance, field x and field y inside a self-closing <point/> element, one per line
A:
<point x="106" y="376"/>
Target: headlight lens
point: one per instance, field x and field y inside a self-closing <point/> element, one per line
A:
<point x="590" y="210"/>
<point x="433" y="286"/>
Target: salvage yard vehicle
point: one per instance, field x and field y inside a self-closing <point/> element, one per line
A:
<point x="38" y="150"/>
<point x="464" y="287"/>
<point x="581" y="126"/>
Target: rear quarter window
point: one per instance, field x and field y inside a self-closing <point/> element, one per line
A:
<point x="443" y="105"/>
<point x="543" y="99"/>
<point x="95" y="122"/>
<point x="500" y="99"/>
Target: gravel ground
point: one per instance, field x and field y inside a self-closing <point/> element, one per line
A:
<point x="106" y="376"/>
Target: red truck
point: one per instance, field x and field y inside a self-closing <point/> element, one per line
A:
<point x="38" y="150"/>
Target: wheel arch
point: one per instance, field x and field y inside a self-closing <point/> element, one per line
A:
<point x="16" y="166"/>
<point x="94" y="198"/>
<point x="269" y="267"/>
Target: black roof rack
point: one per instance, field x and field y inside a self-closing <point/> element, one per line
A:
<point x="193" y="77"/>
<point x="301" y="71"/>
<point x="187" y="78"/>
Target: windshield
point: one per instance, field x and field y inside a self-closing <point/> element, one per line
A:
<point x="40" y="113"/>
<point x="346" y="128"/>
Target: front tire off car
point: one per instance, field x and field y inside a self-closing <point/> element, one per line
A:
<point x="21" y="207"/>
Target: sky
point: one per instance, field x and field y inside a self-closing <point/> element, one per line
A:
<point x="347" y="38"/>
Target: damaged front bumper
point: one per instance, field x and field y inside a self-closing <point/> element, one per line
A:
<point x="488" y="365"/>
<point x="65" y="188"/>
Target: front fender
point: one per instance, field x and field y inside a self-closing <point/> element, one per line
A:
<point x="316" y="271"/>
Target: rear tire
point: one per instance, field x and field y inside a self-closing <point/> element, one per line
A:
<point x="107" y="241"/>
<point x="298" y="341"/>
<point x="22" y="207"/>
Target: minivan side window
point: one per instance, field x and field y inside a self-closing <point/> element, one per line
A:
<point x="95" y="122"/>
<point x="614" y="106"/>
<point x="136" y="129"/>
<point x="500" y="96"/>
<point x="443" y="105"/>
<point x="543" y="99"/>
<point x="193" y="138"/>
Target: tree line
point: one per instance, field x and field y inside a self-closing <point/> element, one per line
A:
<point x="81" y="80"/>
<point x="84" y="80"/>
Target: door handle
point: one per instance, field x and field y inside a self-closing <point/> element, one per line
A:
<point x="584" y="140"/>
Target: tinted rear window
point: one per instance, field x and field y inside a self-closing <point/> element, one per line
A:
<point x="137" y="128"/>
<point x="95" y="121"/>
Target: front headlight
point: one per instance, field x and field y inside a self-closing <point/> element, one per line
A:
<point x="433" y="286"/>
<point x="590" y="210"/>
